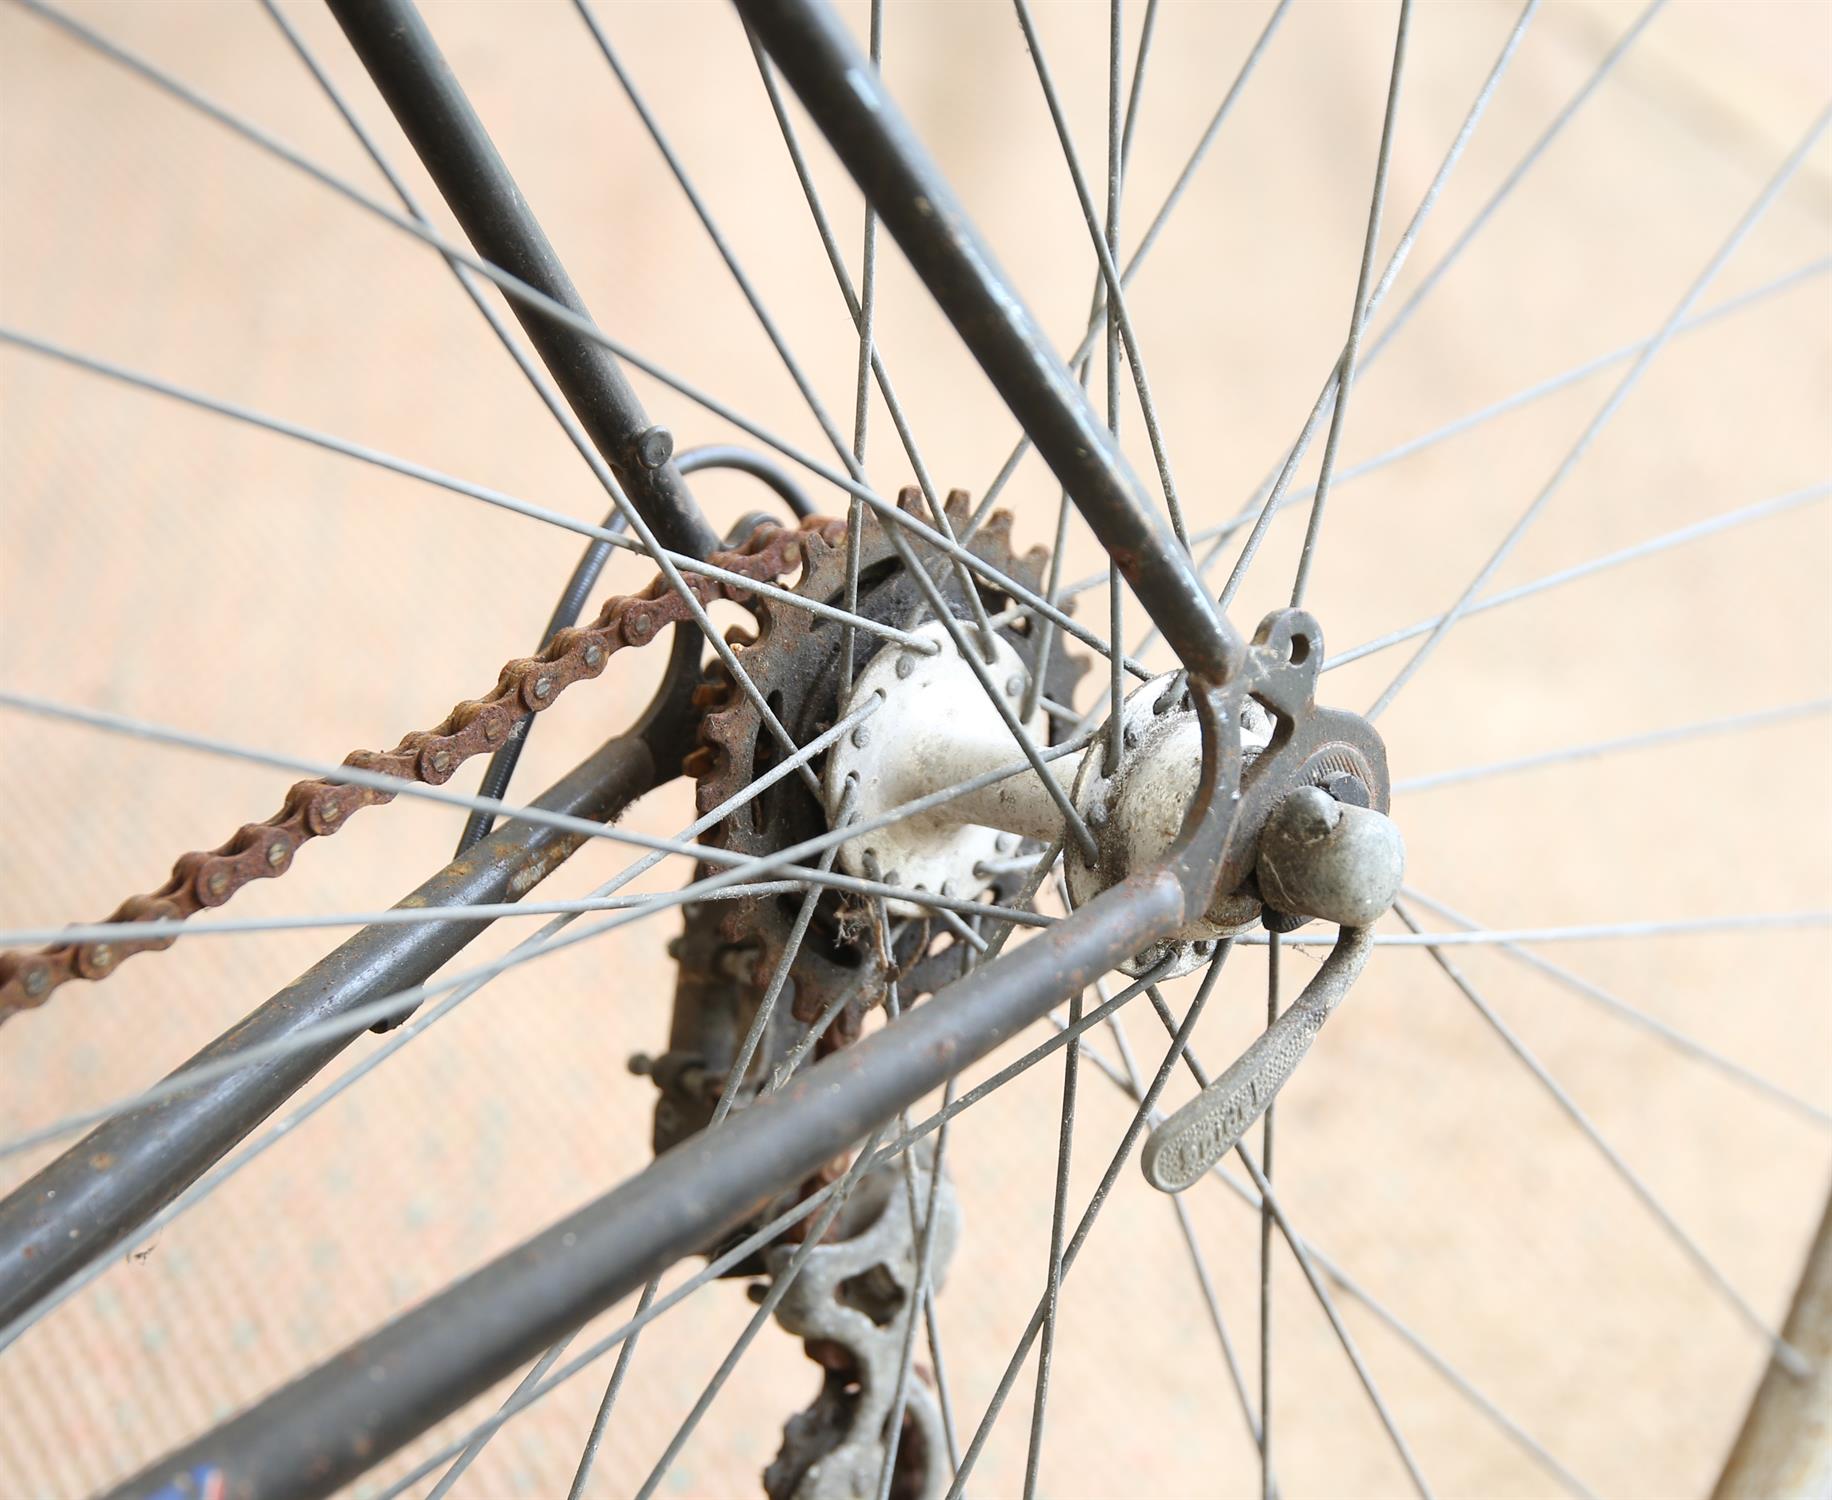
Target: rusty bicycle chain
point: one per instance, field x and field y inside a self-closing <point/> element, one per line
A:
<point x="316" y="808"/>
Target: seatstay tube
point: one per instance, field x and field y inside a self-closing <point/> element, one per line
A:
<point x="843" y="92"/>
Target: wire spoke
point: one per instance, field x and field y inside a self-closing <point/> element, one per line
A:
<point x="1106" y="244"/>
<point x="1795" y="1362"/>
<point x="922" y="1304"/>
<point x="484" y="493"/>
<point x="728" y="1094"/>
<point x="568" y="823"/>
<point x="528" y="296"/>
<point x="392" y="1007"/>
<point x="1265" y="1245"/>
<point x="1097" y="317"/>
<point x="793" y="1059"/>
<point x="1053" y="1276"/>
<point x="536" y="1372"/>
<point x="1762" y="510"/>
<point x="752" y="1243"/>
<point x="1274" y="491"/>
<point x="1105" y="240"/>
<point x="1133" y="1085"/>
<point x="890" y="1433"/>
<point x="779" y="1288"/>
<point x="922" y="1301"/>
<point x="1638" y="1017"/>
<point x="1604" y="413"/>
<point x="1344" y="1282"/>
<point x="1301" y="1254"/>
<point x="1107" y="247"/>
<point x="1779" y="921"/>
<point x="398" y="1039"/>
<point x="1220" y="531"/>
<point x="1120" y="1156"/>
<point x="1674" y="734"/>
<point x="1431" y="278"/>
<point x="851" y="456"/>
<point x="393" y="916"/>
<point x="867" y="304"/>
<point x="1358" y="312"/>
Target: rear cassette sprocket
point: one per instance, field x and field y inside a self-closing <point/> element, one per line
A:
<point x="794" y="660"/>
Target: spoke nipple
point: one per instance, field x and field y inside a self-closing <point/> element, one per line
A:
<point x="906" y="664"/>
<point x="655" y="447"/>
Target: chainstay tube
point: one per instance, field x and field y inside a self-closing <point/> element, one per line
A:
<point x="324" y="1428"/>
<point x="311" y="1437"/>
<point x="98" y="1193"/>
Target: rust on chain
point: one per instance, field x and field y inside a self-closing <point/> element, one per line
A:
<point x="317" y="808"/>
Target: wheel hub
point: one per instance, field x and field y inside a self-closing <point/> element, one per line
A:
<point x="1319" y="846"/>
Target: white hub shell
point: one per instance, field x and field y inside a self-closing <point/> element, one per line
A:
<point x="1137" y="813"/>
<point x="937" y="728"/>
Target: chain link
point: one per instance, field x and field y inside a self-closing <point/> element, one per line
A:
<point x="317" y="808"/>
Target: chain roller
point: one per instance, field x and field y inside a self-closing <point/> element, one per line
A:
<point x="317" y="808"/>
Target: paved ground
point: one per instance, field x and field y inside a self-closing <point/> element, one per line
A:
<point x="163" y="563"/>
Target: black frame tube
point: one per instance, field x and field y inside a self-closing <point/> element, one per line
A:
<point x="96" y="1194"/>
<point x="584" y="578"/>
<point x="427" y="100"/>
<point x="329" y="1425"/>
<point x="315" y="1435"/>
<point x="335" y="1421"/>
<point x="842" y="91"/>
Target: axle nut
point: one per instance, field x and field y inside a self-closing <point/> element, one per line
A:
<point x="1327" y="859"/>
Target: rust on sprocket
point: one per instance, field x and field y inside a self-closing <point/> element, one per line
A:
<point x="793" y="657"/>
